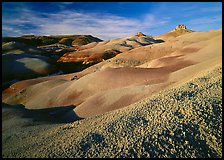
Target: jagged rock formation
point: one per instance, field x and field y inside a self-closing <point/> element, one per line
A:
<point x="180" y="26"/>
<point x="177" y="31"/>
<point x="140" y="34"/>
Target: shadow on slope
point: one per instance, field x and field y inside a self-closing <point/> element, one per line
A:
<point x="159" y="41"/>
<point x="24" y="66"/>
<point x="64" y="114"/>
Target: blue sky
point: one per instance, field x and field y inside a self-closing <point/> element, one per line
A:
<point x="107" y="20"/>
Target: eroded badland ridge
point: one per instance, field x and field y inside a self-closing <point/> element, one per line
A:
<point x="137" y="96"/>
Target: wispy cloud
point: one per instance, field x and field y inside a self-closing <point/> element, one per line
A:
<point x="104" y="26"/>
<point x="212" y="9"/>
<point x="106" y="23"/>
<point x="205" y="20"/>
<point x="195" y="8"/>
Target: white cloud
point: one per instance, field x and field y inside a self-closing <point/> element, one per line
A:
<point x="205" y="20"/>
<point x="104" y="26"/>
<point x="21" y="19"/>
<point x="212" y="9"/>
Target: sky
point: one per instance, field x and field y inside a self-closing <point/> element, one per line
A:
<point x="107" y="20"/>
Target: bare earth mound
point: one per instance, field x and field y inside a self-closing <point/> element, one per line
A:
<point x="109" y="86"/>
<point x="145" y="97"/>
<point x="183" y="122"/>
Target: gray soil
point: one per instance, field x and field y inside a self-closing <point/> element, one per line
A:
<point x="183" y="122"/>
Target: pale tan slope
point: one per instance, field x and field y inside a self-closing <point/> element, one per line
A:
<point x="133" y="57"/>
<point x="200" y="51"/>
<point x="113" y="99"/>
<point x="206" y="52"/>
<point x="112" y="88"/>
<point x="46" y="94"/>
<point x="26" y="83"/>
<point x="183" y="122"/>
<point x="96" y="52"/>
<point x="183" y="65"/>
<point x="173" y="34"/>
<point x="140" y="55"/>
<point x="207" y="58"/>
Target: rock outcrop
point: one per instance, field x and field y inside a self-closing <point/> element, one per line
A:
<point x="180" y="26"/>
<point x="140" y="34"/>
<point x="179" y="30"/>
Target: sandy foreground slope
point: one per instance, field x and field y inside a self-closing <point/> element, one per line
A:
<point x="124" y="79"/>
<point x="184" y="121"/>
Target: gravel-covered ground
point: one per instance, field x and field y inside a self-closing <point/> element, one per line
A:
<point x="183" y="122"/>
